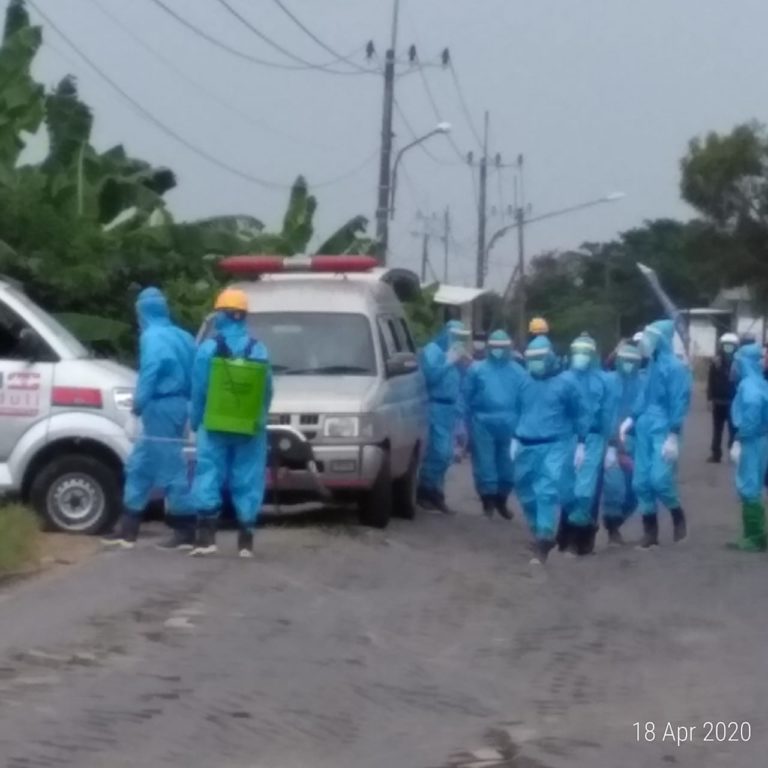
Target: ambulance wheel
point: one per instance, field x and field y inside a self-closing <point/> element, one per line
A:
<point x="375" y="506"/>
<point x="76" y="494"/>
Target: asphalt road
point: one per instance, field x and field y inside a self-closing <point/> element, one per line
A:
<point x="432" y="645"/>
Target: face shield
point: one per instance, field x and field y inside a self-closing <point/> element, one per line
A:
<point x="580" y="361"/>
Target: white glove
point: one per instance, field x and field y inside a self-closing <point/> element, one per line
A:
<point x="625" y="429"/>
<point x="132" y="427"/>
<point x="671" y="448"/>
<point x="736" y="452"/>
<point x="579" y="456"/>
<point x="611" y="458"/>
<point x="514" y="448"/>
<point x="453" y="355"/>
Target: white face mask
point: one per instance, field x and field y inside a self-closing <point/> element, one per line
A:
<point x="537" y="367"/>
<point x="580" y="361"/>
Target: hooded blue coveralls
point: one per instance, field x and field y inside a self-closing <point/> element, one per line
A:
<point x="550" y="412"/>
<point x="237" y="463"/>
<point x="598" y="399"/>
<point x="619" y="499"/>
<point x="161" y="401"/>
<point x="491" y="391"/>
<point x="660" y="410"/>
<point x="443" y="380"/>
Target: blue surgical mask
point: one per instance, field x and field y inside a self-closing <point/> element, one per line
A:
<point x="497" y="353"/>
<point x="580" y="361"/>
<point x="537" y="367"/>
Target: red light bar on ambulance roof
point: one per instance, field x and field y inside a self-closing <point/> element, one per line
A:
<point x="253" y="266"/>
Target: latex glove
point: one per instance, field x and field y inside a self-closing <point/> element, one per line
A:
<point x="514" y="449"/>
<point x="625" y="429"/>
<point x="736" y="452"/>
<point x="579" y="456"/>
<point x="671" y="448"/>
<point x="453" y="355"/>
<point x="611" y="458"/>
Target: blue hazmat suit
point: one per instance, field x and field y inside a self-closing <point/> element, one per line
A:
<point x="749" y="411"/>
<point x="237" y="463"/>
<point x="161" y="400"/>
<point x="550" y="416"/>
<point x="619" y="499"/>
<point x="598" y="399"/>
<point x="491" y="392"/>
<point x="660" y="410"/>
<point x="443" y="379"/>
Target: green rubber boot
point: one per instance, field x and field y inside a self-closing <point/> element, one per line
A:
<point x="753" y="520"/>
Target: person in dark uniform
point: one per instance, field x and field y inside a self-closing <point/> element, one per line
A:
<point x="720" y="394"/>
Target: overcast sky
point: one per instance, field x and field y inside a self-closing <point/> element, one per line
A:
<point x="599" y="95"/>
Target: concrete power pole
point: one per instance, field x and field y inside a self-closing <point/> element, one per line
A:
<point x="482" y="209"/>
<point x="522" y="324"/>
<point x="385" y="164"/>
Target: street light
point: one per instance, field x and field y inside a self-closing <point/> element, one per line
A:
<point x="439" y="129"/>
<point x="519" y="224"/>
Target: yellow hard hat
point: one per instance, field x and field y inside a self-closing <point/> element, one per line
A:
<point x="538" y="326"/>
<point x="232" y="299"/>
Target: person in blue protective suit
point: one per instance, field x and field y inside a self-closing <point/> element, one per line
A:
<point x="440" y="362"/>
<point x="749" y="451"/>
<point x="579" y="523"/>
<point x="657" y="421"/>
<point x="231" y="449"/>
<point x="619" y="501"/>
<point x="490" y="392"/>
<point x="161" y="401"/>
<point x="552" y="423"/>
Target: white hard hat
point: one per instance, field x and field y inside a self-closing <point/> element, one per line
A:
<point x="729" y="338"/>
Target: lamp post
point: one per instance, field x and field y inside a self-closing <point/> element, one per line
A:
<point x="438" y="130"/>
<point x="521" y="221"/>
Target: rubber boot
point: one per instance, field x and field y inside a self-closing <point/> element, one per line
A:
<point x="615" y="539"/>
<point x="679" y="526"/>
<point x="126" y="533"/>
<point x="440" y="504"/>
<point x="650" y="532"/>
<point x="563" y="537"/>
<point x="245" y="542"/>
<point x="753" y="520"/>
<point x="425" y="499"/>
<point x="489" y="505"/>
<point x="501" y="506"/>
<point x="205" y="543"/>
<point x="182" y="536"/>
<point x="587" y="541"/>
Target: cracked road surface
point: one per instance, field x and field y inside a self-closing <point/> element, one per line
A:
<point x="431" y="645"/>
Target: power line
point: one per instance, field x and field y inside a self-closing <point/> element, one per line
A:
<point x="235" y="51"/>
<point x="209" y="92"/>
<point x="147" y="115"/>
<point x="463" y="103"/>
<point x="279" y="48"/>
<point x="297" y="21"/>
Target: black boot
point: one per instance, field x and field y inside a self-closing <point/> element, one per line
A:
<point x="586" y="543"/>
<point x="650" y="532"/>
<point x="564" y="531"/>
<point x="501" y="506"/>
<point x="615" y="539"/>
<point x="182" y="536"/>
<point x="425" y="499"/>
<point x="489" y="505"/>
<point x="126" y="533"/>
<point x="205" y="543"/>
<point x="679" y="526"/>
<point x="245" y="542"/>
<point x="542" y="548"/>
<point x="440" y="504"/>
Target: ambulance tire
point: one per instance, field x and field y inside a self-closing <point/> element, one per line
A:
<point x="77" y="494"/>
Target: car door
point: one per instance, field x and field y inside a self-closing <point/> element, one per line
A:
<point x="26" y="379"/>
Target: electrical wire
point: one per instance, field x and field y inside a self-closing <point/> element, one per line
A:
<point x="281" y="49"/>
<point x="235" y="51"/>
<point x="148" y="116"/>
<point x="297" y="21"/>
<point x="208" y="92"/>
<point x="463" y="103"/>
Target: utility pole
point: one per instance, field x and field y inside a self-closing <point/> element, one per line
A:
<point x="446" y="241"/>
<point x="522" y="325"/>
<point x="424" y="256"/>
<point x="482" y="208"/>
<point x="385" y="165"/>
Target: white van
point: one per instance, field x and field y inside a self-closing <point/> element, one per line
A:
<point x="62" y="419"/>
<point x="349" y="417"/>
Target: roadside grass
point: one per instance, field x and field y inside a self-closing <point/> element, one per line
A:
<point x="20" y="538"/>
